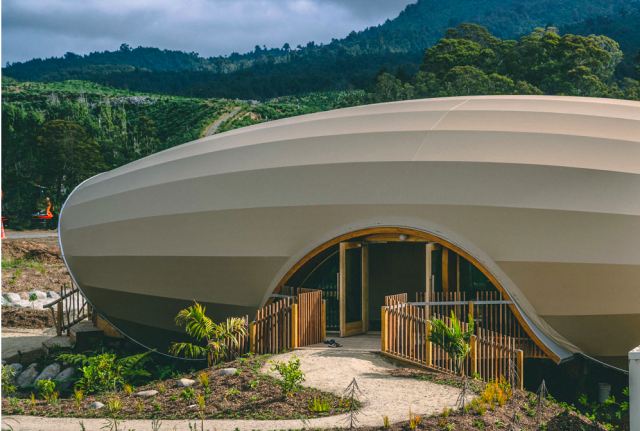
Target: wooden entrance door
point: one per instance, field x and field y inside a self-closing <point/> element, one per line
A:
<point x="354" y="288"/>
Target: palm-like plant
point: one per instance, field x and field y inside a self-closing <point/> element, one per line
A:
<point x="215" y="335"/>
<point x="452" y="339"/>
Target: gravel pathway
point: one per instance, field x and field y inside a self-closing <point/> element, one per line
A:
<point x="328" y="370"/>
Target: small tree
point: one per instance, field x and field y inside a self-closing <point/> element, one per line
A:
<point x="452" y="339"/>
<point x="215" y="335"/>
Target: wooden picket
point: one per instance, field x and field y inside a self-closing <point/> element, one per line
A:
<point x="400" y="298"/>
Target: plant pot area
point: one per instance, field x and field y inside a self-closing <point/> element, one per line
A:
<point x="230" y="390"/>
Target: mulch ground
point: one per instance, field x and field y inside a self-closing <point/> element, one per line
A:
<point x="257" y="397"/>
<point x="519" y="410"/>
<point x="15" y="317"/>
<point x="18" y="249"/>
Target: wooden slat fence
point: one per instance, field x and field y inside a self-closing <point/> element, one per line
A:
<point x="271" y="331"/>
<point x="405" y="335"/>
<point x="293" y="321"/>
<point x="497" y="318"/>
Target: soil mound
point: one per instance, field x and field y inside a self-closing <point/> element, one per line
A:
<point x="16" y="250"/>
<point x="16" y="317"/>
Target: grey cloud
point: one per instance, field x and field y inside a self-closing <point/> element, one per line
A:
<point x="45" y="28"/>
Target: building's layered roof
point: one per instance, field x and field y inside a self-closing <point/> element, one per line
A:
<point x="544" y="191"/>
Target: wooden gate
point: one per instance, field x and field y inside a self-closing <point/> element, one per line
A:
<point x="271" y="332"/>
<point x="310" y="317"/>
<point x="290" y="322"/>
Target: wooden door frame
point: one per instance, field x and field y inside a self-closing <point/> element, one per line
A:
<point x="430" y="237"/>
<point x="359" y="327"/>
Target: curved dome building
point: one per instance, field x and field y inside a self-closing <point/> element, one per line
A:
<point x="536" y="198"/>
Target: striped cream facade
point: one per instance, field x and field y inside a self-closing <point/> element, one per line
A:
<point x="544" y="192"/>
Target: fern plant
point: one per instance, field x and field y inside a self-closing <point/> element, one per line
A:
<point x="214" y="336"/>
<point x="452" y="339"/>
<point x="104" y="372"/>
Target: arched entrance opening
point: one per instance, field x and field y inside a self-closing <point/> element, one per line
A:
<point x="357" y="270"/>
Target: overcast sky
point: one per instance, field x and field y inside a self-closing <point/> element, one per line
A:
<point x="46" y="28"/>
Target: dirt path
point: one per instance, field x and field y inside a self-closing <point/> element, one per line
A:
<point x="23" y="340"/>
<point x="31" y="235"/>
<point x="329" y="370"/>
<point x="214" y="127"/>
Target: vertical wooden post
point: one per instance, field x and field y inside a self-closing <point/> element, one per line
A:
<point x="324" y="320"/>
<point x="294" y="325"/>
<point x="383" y="327"/>
<point x="342" y="282"/>
<point x="520" y="356"/>
<point x="471" y="311"/>
<point x="89" y="312"/>
<point x="474" y="354"/>
<point x="59" y="319"/>
<point x="365" y="288"/>
<point x="428" y="359"/>
<point x="252" y="337"/>
<point x="445" y="270"/>
<point x="429" y="284"/>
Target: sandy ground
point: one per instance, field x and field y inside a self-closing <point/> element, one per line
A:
<point x="330" y="370"/>
<point x="24" y="340"/>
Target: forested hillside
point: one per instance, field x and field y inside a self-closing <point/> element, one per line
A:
<point x="624" y="28"/>
<point x="59" y="134"/>
<point x="471" y="61"/>
<point x="350" y="62"/>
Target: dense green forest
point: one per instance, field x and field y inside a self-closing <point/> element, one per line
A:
<point x="347" y="63"/>
<point x="624" y="28"/>
<point x="58" y="134"/>
<point x="471" y="61"/>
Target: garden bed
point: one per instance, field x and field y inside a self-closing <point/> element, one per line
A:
<point x="244" y="395"/>
<point x="520" y="411"/>
<point x="16" y="317"/>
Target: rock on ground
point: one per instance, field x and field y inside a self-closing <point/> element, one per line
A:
<point x="39" y="294"/>
<point x="64" y="376"/>
<point x="185" y="383"/>
<point x="49" y="373"/>
<point x="27" y="377"/>
<point x="149" y="393"/>
<point x="95" y="406"/>
<point x="12" y="297"/>
<point x="225" y="371"/>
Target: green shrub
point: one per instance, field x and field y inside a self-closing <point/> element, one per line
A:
<point x="187" y="395"/>
<point x="46" y="388"/>
<point x="8" y="373"/>
<point x="292" y="377"/>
